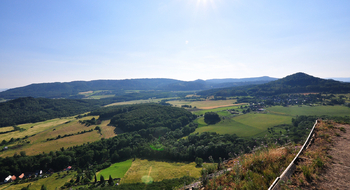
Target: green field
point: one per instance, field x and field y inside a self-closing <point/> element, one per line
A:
<point x="157" y="171"/>
<point x="310" y="110"/>
<point x="244" y="125"/>
<point x="116" y="170"/>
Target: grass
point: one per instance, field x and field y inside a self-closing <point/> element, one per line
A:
<point x="116" y="170"/>
<point x="244" y="125"/>
<point x="4" y="129"/>
<point x="53" y="128"/>
<point x="207" y="104"/>
<point x="159" y="170"/>
<point x="254" y="171"/>
<point x="316" y="158"/>
<point x="51" y="182"/>
<point x="310" y="110"/>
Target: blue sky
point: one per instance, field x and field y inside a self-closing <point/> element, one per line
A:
<point x="58" y="41"/>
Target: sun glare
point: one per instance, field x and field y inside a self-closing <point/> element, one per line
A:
<point x="205" y="4"/>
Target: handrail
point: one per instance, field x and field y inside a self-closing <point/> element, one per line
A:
<point x="288" y="171"/>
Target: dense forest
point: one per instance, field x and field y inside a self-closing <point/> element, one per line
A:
<point x="30" y="110"/>
<point x="144" y="116"/>
<point x="296" y="83"/>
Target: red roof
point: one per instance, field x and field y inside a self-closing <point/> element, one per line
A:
<point x="69" y="167"/>
<point x="21" y="176"/>
<point x="13" y="178"/>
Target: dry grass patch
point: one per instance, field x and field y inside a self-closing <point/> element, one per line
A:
<point x="256" y="170"/>
<point x="317" y="168"/>
<point x="4" y="129"/>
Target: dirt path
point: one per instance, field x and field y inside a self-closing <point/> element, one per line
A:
<point x="337" y="176"/>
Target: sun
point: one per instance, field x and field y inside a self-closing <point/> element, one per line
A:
<point x="206" y="3"/>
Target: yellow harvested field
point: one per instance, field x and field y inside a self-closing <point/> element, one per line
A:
<point x="213" y="107"/>
<point x="87" y="92"/>
<point x="156" y="100"/>
<point x="37" y="148"/>
<point x="158" y="170"/>
<point x="53" y="128"/>
<point x="33" y="128"/>
<point x="107" y="131"/>
<point x="207" y="104"/>
<point x="4" y="129"/>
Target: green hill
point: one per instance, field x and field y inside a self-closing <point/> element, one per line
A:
<point x="296" y="83"/>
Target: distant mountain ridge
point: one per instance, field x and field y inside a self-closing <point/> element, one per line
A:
<point x="342" y="79"/>
<point x="295" y="83"/>
<point x="72" y="89"/>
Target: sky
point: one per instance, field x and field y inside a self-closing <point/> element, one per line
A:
<point x="69" y="40"/>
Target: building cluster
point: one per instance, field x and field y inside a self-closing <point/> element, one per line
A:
<point x="31" y="175"/>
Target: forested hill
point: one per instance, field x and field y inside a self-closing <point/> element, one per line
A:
<point x="144" y="116"/>
<point x="30" y="110"/>
<point x="67" y="89"/>
<point x="72" y="89"/>
<point x="296" y="83"/>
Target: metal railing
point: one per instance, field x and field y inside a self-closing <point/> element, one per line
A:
<point x="292" y="166"/>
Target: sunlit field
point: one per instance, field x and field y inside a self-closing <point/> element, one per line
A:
<point x="52" y="129"/>
<point x="207" y="104"/>
<point x="244" y="125"/>
<point x="158" y="170"/>
<point x="116" y="170"/>
<point x="310" y="110"/>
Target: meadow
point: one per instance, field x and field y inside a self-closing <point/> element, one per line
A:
<point x="158" y="170"/>
<point x="310" y="110"/>
<point x="51" y="129"/>
<point x="55" y="181"/>
<point x="116" y="170"/>
<point x="246" y="125"/>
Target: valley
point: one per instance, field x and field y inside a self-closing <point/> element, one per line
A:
<point x="155" y="140"/>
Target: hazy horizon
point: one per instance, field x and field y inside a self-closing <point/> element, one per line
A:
<point x="62" y="41"/>
<point x="342" y="79"/>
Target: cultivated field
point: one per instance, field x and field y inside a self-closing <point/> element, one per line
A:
<point x="51" y="129"/>
<point x="310" y="110"/>
<point x="4" y="129"/>
<point x="221" y="111"/>
<point x="141" y="169"/>
<point x="207" y="104"/>
<point x="156" y="100"/>
<point x="244" y="125"/>
<point x="116" y="170"/>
